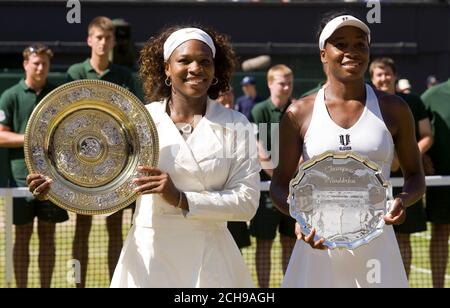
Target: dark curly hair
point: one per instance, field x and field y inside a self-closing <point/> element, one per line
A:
<point x="152" y="71"/>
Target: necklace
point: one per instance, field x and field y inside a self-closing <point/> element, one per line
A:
<point x="183" y="128"/>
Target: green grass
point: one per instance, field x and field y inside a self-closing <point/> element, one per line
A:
<point x="421" y="272"/>
<point x="276" y="273"/>
<point x="98" y="270"/>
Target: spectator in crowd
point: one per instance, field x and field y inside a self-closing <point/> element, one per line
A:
<point x="246" y="102"/>
<point x="431" y="81"/>
<point x="101" y="40"/>
<point x="16" y="106"/>
<point x="404" y="86"/>
<point x="436" y="101"/>
<point x="373" y="121"/>
<point x="268" y="114"/>
<point x="226" y="98"/>
<point x="383" y="74"/>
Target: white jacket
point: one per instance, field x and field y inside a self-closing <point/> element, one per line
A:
<point x="218" y="169"/>
<point x="219" y="175"/>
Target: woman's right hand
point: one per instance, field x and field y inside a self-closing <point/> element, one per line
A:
<point x="309" y="239"/>
<point x="39" y="185"/>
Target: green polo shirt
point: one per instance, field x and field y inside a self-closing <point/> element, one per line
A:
<point x="266" y="112"/>
<point x="419" y="113"/>
<point x="437" y="102"/>
<point x="16" y="105"/>
<point x="117" y="74"/>
<point x="417" y="107"/>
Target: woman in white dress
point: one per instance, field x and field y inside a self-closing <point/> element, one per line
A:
<point x="375" y="125"/>
<point x="208" y="171"/>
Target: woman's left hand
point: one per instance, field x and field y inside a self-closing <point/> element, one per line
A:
<point x="397" y="214"/>
<point x="157" y="182"/>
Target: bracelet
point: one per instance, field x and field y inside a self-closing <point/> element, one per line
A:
<point x="180" y="200"/>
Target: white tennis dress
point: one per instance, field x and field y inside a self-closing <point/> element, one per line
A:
<point x="377" y="264"/>
<point x="169" y="247"/>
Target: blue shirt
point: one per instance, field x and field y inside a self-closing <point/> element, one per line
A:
<point x="244" y="104"/>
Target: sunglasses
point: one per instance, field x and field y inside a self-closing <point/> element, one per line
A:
<point x="37" y="49"/>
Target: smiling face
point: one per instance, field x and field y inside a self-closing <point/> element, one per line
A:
<point x="191" y="69"/>
<point x="383" y="78"/>
<point x="346" y="53"/>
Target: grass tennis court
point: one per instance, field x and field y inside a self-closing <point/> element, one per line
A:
<point x="98" y="269"/>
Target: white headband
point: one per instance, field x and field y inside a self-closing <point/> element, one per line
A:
<point x="180" y="36"/>
<point x="339" y="22"/>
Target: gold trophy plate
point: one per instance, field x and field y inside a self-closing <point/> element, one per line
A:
<point x="90" y="136"/>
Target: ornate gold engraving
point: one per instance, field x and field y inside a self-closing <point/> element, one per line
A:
<point x="90" y="136"/>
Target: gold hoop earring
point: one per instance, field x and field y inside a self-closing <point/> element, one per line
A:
<point x="215" y="81"/>
<point x="168" y="82"/>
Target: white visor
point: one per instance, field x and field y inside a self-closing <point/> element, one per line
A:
<point x="180" y="36"/>
<point x="339" y="22"/>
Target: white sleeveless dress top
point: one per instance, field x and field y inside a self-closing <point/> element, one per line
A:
<point x="377" y="264"/>
<point x="369" y="136"/>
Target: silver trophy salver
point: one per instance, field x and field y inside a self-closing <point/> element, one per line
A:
<point x="343" y="195"/>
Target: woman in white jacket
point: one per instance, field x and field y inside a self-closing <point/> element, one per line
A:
<point x="208" y="171"/>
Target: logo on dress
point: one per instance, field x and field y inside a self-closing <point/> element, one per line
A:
<point x="344" y="140"/>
